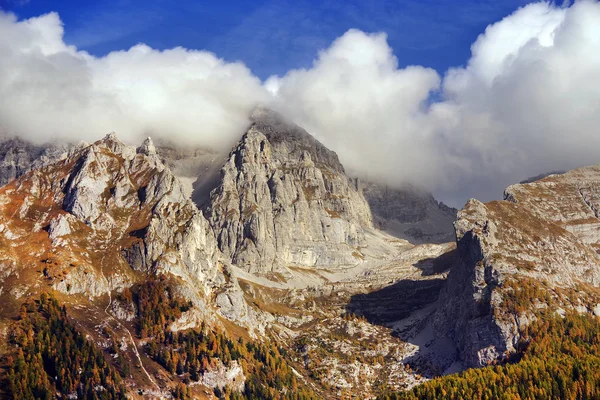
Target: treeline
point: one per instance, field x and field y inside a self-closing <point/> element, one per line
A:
<point x="191" y="353"/>
<point x="53" y="359"/>
<point x="560" y="360"/>
<point x="158" y="306"/>
<point x="51" y="356"/>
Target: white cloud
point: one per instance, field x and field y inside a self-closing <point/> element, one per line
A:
<point x="528" y="100"/>
<point x="51" y="90"/>
<point x="358" y="102"/>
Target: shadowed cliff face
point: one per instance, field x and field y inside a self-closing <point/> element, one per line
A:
<point x="536" y="249"/>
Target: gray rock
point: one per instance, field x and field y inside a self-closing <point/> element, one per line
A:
<point x="410" y="213"/>
<point x="196" y="168"/>
<point x="545" y="235"/>
<point x="284" y="200"/>
<point x="18" y="156"/>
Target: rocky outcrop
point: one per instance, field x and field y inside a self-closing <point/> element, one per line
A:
<point x="18" y="156"/>
<point x="221" y="376"/>
<point x="536" y="249"/>
<point x="410" y="213"/>
<point x="196" y="168"/>
<point x="284" y="200"/>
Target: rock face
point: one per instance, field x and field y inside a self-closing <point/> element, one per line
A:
<point x="284" y="200"/>
<point x="108" y="212"/>
<point x="18" y="156"/>
<point x="539" y="245"/>
<point x="85" y="221"/>
<point x="196" y="168"/>
<point x="410" y="213"/>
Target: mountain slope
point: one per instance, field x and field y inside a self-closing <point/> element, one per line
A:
<point x="106" y="224"/>
<point x="103" y="222"/>
<point x="536" y="249"/>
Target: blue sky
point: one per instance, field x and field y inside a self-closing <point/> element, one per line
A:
<point x="272" y="37"/>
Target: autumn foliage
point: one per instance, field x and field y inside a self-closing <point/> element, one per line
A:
<point x="191" y="353"/>
<point x="560" y="360"/>
<point x="52" y="357"/>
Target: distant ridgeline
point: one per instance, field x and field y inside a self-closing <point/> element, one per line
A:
<point x="50" y="357"/>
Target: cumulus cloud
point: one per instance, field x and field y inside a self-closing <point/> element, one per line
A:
<point x="51" y="90"/>
<point x="526" y="102"/>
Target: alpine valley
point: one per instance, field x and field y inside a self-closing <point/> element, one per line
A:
<point x="270" y="273"/>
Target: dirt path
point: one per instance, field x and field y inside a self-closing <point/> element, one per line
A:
<point x="134" y="346"/>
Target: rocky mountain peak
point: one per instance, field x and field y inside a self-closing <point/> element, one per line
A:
<point x="285" y="136"/>
<point x="112" y="143"/>
<point x="147" y="147"/>
<point x="284" y="200"/>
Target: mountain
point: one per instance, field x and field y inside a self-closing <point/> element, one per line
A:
<point x="268" y="272"/>
<point x="536" y="249"/>
<point x="284" y="200"/>
<point x="115" y="236"/>
<point x="410" y="213"/>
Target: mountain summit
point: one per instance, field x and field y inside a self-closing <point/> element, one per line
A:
<point x="284" y="200"/>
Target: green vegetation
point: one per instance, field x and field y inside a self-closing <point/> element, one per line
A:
<point x="51" y="356"/>
<point x="190" y="353"/>
<point x="560" y="359"/>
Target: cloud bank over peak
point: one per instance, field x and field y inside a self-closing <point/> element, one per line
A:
<point x="49" y="90"/>
<point x="358" y="102"/>
<point x="527" y="101"/>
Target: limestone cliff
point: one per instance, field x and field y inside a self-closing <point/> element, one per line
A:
<point x="284" y="200"/>
<point x="537" y="247"/>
